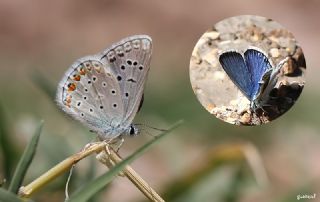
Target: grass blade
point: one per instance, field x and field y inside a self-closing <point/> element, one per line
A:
<point x="8" y="196"/>
<point x="9" y="150"/>
<point x="90" y="189"/>
<point x="25" y="161"/>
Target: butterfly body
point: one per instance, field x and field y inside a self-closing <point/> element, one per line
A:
<point x="252" y="73"/>
<point x="104" y="91"/>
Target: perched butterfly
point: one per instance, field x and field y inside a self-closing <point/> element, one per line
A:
<point x="252" y="73"/>
<point x="105" y="91"/>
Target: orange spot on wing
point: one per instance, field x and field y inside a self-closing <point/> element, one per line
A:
<point x="82" y="71"/>
<point x="71" y="87"/>
<point x="76" y="77"/>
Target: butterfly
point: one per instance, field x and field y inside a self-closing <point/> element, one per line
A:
<point x="105" y="91"/>
<point x="253" y="73"/>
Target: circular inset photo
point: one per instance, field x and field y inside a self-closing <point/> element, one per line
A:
<point x="247" y="70"/>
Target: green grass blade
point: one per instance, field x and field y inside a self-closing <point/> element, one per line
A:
<point x="8" y="196"/>
<point x="7" y="146"/>
<point x="90" y="189"/>
<point x="25" y="161"/>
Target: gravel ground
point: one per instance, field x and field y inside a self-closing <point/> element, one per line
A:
<point x="219" y="95"/>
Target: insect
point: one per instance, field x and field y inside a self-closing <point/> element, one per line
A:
<point x="104" y="91"/>
<point x="253" y="73"/>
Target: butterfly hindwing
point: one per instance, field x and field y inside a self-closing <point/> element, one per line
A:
<point x="79" y="94"/>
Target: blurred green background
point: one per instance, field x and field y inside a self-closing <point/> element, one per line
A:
<point x="40" y="39"/>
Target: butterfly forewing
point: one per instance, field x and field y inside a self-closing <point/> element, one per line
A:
<point x="234" y="65"/>
<point x="130" y="60"/>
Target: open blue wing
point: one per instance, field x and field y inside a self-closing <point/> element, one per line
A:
<point x="234" y="65"/>
<point x="257" y="64"/>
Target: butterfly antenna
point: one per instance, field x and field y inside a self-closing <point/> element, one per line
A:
<point x="154" y="128"/>
<point x="145" y="126"/>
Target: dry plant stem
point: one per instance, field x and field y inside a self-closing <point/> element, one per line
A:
<point x="62" y="167"/>
<point x="111" y="158"/>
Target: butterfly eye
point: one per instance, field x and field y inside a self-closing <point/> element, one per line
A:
<point x="132" y="131"/>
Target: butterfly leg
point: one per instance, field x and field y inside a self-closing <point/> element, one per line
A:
<point x="120" y="142"/>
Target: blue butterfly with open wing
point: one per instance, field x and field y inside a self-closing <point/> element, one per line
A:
<point x="252" y="73"/>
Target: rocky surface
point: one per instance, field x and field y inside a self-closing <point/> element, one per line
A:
<point x="219" y="95"/>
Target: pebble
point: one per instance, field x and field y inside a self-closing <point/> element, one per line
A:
<point x="245" y="118"/>
<point x="274" y="52"/>
<point x="288" y="67"/>
<point x="211" y="35"/>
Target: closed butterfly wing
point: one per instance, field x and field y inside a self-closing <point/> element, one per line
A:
<point x="104" y="91"/>
<point x="259" y="67"/>
<point x="234" y="65"/>
<point x="130" y="60"/>
<point x="87" y="92"/>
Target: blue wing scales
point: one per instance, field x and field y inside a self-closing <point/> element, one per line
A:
<point x="258" y="65"/>
<point x="234" y="65"/>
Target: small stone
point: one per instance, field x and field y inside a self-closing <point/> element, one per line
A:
<point x="231" y="120"/>
<point x="219" y="75"/>
<point x="245" y="118"/>
<point x="274" y="39"/>
<point x="211" y="35"/>
<point x="210" y="107"/>
<point x="234" y="102"/>
<point x="288" y="67"/>
<point x="274" y="52"/>
<point x="255" y="37"/>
